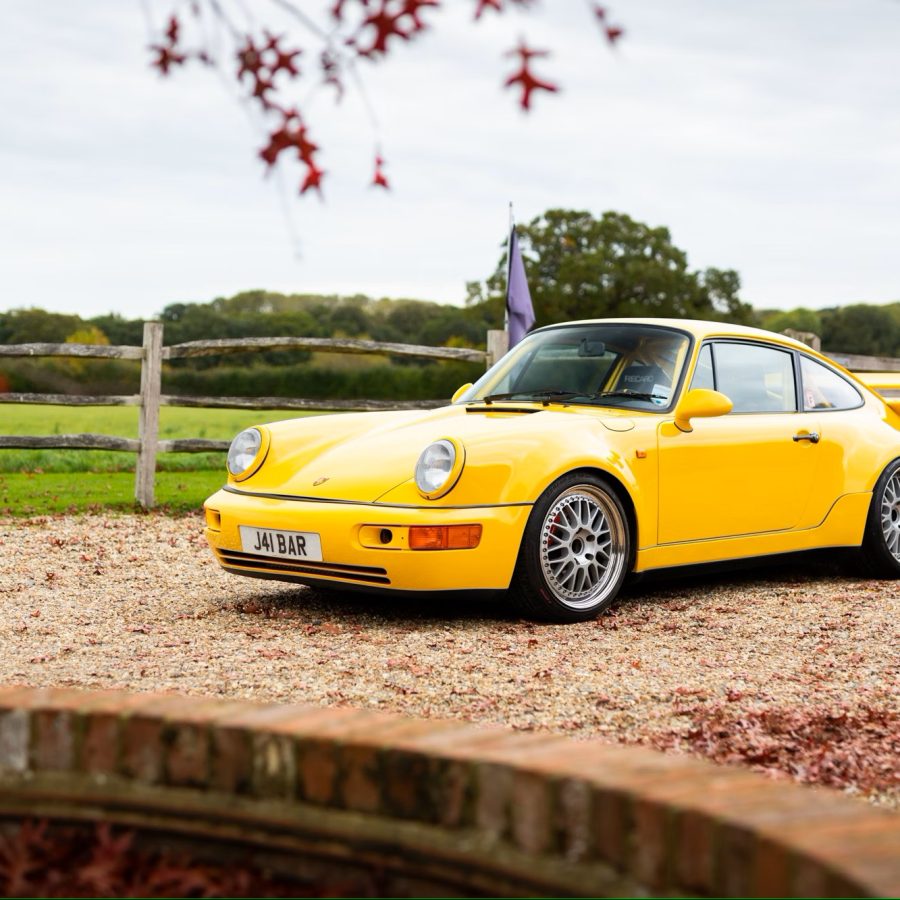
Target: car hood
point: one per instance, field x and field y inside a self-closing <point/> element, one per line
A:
<point x="371" y="457"/>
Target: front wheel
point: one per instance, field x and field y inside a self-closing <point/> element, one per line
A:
<point x="881" y="543"/>
<point x="575" y="551"/>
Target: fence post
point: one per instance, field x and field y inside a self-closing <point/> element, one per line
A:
<point x="148" y="425"/>
<point x="497" y="345"/>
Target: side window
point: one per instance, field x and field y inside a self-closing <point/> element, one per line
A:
<point x="756" y="378"/>
<point x="703" y="373"/>
<point x="824" y="389"/>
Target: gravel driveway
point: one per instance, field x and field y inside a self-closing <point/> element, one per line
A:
<point x="735" y="666"/>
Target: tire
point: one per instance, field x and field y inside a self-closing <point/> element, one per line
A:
<point x="575" y="553"/>
<point x="881" y="540"/>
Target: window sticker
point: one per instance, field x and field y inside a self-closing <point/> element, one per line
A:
<point x="662" y="391"/>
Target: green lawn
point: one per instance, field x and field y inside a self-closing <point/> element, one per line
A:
<point x="37" y="482"/>
<point x="54" y="492"/>
<point x="122" y="421"/>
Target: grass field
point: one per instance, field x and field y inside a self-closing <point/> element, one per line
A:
<point x="122" y="421"/>
<point x="38" y="482"/>
<point x="59" y="492"/>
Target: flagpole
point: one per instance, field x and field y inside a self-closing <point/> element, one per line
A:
<point x="508" y="268"/>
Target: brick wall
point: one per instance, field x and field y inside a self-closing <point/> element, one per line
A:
<point x="438" y="805"/>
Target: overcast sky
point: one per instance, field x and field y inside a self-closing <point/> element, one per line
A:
<point x="765" y="135"/>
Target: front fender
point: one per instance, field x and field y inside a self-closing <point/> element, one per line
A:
<point x="498" y="472"/>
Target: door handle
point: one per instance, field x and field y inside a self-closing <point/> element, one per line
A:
<point x="811" y="436"/>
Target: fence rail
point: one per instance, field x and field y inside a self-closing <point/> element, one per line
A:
<point x="152" y="354"/>
<point x="225" y="346"/>
<point x="328" y="345"/>
<point x="221" y="402"/>
<point x="84" y="351"/>
<point x="857" y="363"/>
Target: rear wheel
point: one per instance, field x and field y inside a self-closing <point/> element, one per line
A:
<point x="575" y="551"/>
<point x="881" y="543"/>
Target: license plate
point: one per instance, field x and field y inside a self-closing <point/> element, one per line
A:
<point x="284" y="544"/>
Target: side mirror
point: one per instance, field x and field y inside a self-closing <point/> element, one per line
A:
<point x="700" y="403"/>
<point x="460" y="391"/>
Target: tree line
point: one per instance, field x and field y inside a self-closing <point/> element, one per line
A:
<point x="578" y="267"/>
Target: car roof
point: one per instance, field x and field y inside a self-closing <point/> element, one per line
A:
<point x="697" y="327"/>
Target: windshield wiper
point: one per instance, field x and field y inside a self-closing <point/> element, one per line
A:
<point x="547" y="395"/>
<point x="553" y="395"/>
<point x="634" y="395"/>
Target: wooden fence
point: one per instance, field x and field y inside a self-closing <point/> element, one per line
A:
<point x="151" y="356"/>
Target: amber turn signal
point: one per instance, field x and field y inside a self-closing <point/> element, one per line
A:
<point x="444" y="537"/>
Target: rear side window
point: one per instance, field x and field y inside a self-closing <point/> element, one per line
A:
<point x="824" y="389"/>
<point x="756" y="378"/>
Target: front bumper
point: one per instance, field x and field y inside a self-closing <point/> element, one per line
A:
<point x="351" y="553"/>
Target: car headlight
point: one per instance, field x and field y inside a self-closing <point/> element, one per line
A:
<point x="439" y="468"/>
<point x="246" y="453"/>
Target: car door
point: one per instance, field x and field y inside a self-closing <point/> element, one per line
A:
<point x="843" y="426"/>
<point x="749" y="472"/>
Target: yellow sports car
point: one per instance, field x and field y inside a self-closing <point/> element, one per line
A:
<point x="590" y="451"/>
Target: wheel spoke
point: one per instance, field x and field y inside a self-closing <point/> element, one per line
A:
<point x="890" y="515"/>
<point x="583" y="546"/>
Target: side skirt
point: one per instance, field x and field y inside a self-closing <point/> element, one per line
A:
<point x="843" y="527"/>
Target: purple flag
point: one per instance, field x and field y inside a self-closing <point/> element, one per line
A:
<point x="518" y="297"/>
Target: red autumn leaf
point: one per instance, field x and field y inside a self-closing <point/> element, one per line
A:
<point x="22" y="858"/>
<point x="525" y="77"/>
<point x="105" y="868"/>
<point x="313" y="178"/>
<point x="838" y="747"/>
<point x="411" y="9"/>
<point x="496" y="5"/>
<point x="172" y="29"/>
<point x="249" y="58"/>
<point x="380" y="179"/>
<point x="166" y="58"/>
<point x="284" y="62"/>
<point x="385" y="24"/>
<point x="261" y="89"/>
<point x="337" y="11"/>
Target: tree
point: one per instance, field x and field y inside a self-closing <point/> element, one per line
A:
<point x="87" y="334"/>
<point x="84" y="334"/>
<point x="870" y="330"/>
<point x="798" y="319"/>
<point x="265" y="63"/>
<point x="25" y="326"/>
<point x="579" y="267"/>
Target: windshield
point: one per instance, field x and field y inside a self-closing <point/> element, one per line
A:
<point x="622" y="365"/>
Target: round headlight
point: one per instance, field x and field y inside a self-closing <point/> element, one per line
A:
<point x="435" y="467"/>
<point x="243" y="451"/>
